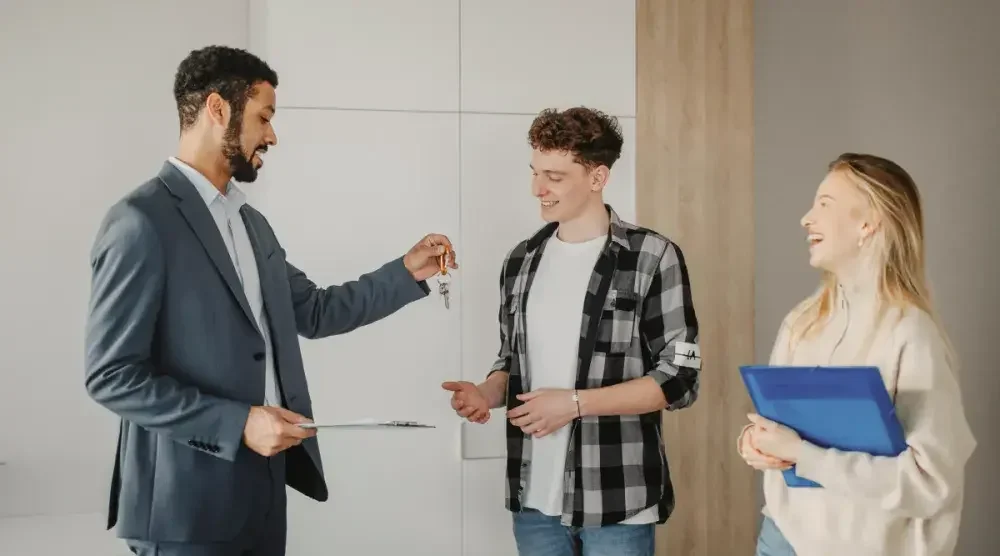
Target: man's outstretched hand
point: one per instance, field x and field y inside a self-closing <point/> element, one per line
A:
<point x="468" y="401"/>
<point x="423" y="259"/>
<point x="270" y="430"/>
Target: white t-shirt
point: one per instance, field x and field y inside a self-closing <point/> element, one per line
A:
<point x="554" y="316"/>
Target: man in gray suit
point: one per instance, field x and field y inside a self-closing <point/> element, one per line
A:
<point x="192" y="333"/>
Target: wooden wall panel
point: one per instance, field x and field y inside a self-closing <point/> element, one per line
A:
<point x="694" y="183"/>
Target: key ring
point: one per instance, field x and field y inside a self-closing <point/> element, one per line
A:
<point x="443" y="266"/>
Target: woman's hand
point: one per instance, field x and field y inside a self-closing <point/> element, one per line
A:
<point x="754" y="457"/>
<point x="775" y="440"/>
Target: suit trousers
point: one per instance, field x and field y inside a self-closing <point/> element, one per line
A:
<point x="263" y="534"/>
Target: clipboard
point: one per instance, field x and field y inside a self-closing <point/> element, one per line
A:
<point x="845" y="408"/>
<point x="367" y="424"/>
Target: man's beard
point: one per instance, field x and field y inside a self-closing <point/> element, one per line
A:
<point x="240" y="166"/>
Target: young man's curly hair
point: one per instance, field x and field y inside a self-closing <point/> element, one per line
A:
<point x="593" y="137"/>
<point x="231" y="72"/>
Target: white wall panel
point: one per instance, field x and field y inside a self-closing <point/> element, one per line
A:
<point x="374" y="54"/>
<point x="519" y="56"/>
<point x="345" y="192"/>
<point x="485" y="440"/>
<point x="122" y="126"/>
<point x="620" y="191"/>
<point x="486" y="521"/>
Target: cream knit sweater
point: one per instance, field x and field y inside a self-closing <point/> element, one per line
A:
<point x="908" y="505"/>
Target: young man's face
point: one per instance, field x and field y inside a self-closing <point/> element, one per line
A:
<point x="565" y="188"/>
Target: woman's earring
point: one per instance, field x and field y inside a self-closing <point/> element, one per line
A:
<point x="861" y="242"/>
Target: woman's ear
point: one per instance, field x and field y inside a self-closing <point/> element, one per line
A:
<point x="870" y="224"/>
<point x="867" y="232"/>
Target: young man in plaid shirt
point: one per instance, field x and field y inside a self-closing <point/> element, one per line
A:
<point x="597" y="337"/>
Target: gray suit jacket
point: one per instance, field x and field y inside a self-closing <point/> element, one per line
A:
<point x="173" y="349"/>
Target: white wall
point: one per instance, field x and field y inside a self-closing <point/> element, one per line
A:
<point x="396" y="118"/>
<point x="89" y="115"/>
<point x="399" y="118"/>
<point x="917" y="82"/>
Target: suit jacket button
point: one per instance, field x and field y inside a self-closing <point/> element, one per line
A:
<point x="258" y="356"/>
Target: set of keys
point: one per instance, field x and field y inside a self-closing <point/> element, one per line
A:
<point x="444" y="279"/>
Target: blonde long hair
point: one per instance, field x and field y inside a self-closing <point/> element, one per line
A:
<point x="898" y="246"/>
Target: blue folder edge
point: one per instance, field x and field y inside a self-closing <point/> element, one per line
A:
<point x="846" y="408"/>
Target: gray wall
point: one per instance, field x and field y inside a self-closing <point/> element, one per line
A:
<point x="916" y="81"/>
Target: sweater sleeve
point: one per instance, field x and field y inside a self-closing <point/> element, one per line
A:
<point x="930" y="472"/>
<point x="779" y="351"/>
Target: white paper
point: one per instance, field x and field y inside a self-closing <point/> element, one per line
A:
<point x="366" y="423"/>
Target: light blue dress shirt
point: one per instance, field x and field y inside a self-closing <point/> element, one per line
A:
<point x="225" y="210"/>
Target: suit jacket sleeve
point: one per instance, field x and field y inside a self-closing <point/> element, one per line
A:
<point x="321" y="312"/>
<point x="127" y="266"/>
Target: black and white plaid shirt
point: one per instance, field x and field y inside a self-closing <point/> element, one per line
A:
<point x="638" y="320"/>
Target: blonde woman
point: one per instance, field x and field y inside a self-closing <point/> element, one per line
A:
<point x="865" y="232"/>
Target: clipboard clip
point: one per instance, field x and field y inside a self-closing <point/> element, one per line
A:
<point x="408" y="424"/>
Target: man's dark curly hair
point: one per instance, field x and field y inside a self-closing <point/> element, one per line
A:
<point x="593" y="137"/>
<point x="231" y="72"/>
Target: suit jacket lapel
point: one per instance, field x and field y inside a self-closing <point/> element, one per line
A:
<point x="266" y="291"/>
<point x="200" y="220"/>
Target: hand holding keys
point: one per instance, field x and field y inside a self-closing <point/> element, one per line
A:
<point x="433" y="255"/>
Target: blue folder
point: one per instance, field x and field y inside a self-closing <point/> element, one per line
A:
<point x="847" y="408"/>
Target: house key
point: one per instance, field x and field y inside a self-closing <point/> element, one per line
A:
<point x="444" y="280"/>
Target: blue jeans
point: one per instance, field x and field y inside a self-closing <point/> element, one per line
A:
<point x="771" y="542"/>
<point x="537" y="534"/>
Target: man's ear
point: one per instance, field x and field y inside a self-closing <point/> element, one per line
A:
<point x="599" y="177"/>
<point x="217" y="109"/>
